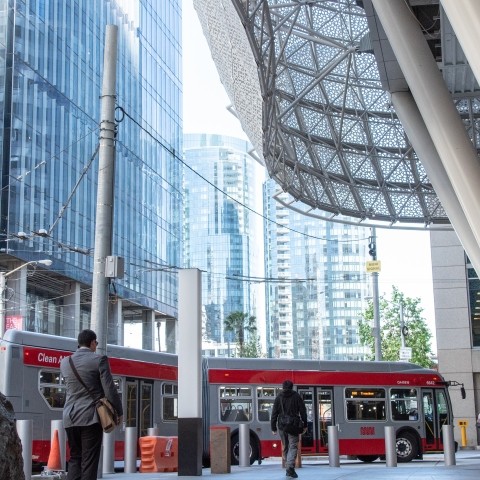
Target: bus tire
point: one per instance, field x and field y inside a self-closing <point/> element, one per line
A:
<point x="235" y="449"/>
<point x="406" y="447"/>
<point x="367" y="458"/>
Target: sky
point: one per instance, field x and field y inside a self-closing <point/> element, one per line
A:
<point x="405" y="254"/>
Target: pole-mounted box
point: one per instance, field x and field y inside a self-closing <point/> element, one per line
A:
<point x="114" y="267"/>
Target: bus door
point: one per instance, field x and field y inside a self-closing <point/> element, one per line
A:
<point x="435" y="414"/>
<point x="139" y="405"/>
<point x="319" y="405"/>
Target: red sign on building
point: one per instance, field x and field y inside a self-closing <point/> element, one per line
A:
<point x="14" y="322"/>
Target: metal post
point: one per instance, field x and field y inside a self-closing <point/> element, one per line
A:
<point x="333" y="447"/>
<point x="402" y="326"/>
<point x="108" y="461"/>
<point x="376" y="300"/>
<point x="105" y="190"/>
<point x="243" y="445"/>
<point x="390" y="447"/>
<point x="62" y="440"/>
<point x="130" y="454"/>
<point x="448" y="445"/>
<point x="25" y="432"/>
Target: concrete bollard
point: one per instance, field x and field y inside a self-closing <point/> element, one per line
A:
<point x="333" y="447"/>
<point x="25" y="432"/>
<point x="244" y="445"/>
<point x="220" y="449"/>
<point x="130" y="454"/>
<point x="448" y="445"/>
<point x="108" y="452"/>
<point x="390" y="447"/>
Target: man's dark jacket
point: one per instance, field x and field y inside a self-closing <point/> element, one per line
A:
<point x="292" y="405"/>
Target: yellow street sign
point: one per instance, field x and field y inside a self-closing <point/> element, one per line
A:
<point x="373" y="266"/>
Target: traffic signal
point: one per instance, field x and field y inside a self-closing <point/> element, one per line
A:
<point x="372" y="248"/>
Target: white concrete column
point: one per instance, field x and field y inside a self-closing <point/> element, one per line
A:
<point x="435" y="104"/>
<point x="464" y="16"/>
<point x="71" y="310"/>
<point x="416" y="130"/>
<point x="190" y="439"/>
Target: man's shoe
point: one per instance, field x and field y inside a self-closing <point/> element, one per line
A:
<point x="291" y="473"/>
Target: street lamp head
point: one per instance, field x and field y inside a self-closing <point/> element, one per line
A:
<point x="47" y="262"/>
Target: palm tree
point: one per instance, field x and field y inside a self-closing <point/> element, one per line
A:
<point x="238" y="323"/>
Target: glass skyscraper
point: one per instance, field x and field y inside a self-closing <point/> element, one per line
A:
<point x="223" y="232"/>
<point x="51" y="65"/>
<point x="317" y="284"/>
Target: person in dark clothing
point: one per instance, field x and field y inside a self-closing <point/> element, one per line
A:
<point x="80" y="418"/>
<point x="293" y="405"/>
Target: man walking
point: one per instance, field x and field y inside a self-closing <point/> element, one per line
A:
<point x="80" y="419"/>
<point x="290" y="403"/>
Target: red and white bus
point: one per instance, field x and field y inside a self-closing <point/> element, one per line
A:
<point x="360" y="397"/>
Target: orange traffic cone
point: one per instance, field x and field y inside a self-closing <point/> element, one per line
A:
<point x="54" y="461"/>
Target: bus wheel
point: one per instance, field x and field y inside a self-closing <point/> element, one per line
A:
<point x="367" y="458"/>
<point x="235" y="445"/>
<point x="407" y="447"/>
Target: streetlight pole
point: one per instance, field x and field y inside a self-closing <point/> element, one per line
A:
<point x="3" y="287"/>
<point x="376" y="298"/>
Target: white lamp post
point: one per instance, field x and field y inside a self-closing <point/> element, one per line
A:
<point x="3" y="284"/>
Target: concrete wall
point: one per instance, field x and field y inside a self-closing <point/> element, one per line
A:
<point x="456" y="358"/>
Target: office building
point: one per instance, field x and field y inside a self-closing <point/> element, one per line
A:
<point x="52" y="62"/>
<point x="223" y="233"/>
<point x="318" y="283"/>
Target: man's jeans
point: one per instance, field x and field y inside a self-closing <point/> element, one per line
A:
<point x="290" y="447"/>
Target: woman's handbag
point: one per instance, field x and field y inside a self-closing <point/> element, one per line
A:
<point x="106" y="412"/>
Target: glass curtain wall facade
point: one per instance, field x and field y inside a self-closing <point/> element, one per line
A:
<point x="223" y="236"/>
<point x="51" y="62"/>
<point x="317" y="284"/>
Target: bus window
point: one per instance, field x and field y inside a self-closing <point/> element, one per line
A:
<point x="365" y="403"/>
<point x="265" y="398"/>
<point x="403" y="402"/>
<point x="442" y="407"/>
<point x="170" y="401"/>
<point x="52" y="388"/>
<point x="235" y="404"/>
<point x="146" y="412"/>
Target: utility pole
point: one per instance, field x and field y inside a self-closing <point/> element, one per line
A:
<point x="105" y="192"/>
<point x="372" y="250"/>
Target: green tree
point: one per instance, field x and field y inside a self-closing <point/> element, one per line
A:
<point x="418" y="336"/>
<point x="239" y="323"/>
<point x="252" y="348"/>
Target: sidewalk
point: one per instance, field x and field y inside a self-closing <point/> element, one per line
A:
<point x="317" y="468"/>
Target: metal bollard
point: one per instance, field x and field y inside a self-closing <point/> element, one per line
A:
<point x="25" y="432"/>
<point x="333" y="448"/>
<point x="244" y="445"/>
<point x="448" y="445"/>
<point x="390" y="447"/>
<point x="62" y="440"/>
<point x="108" y="452"/>
<point x="130" y="450"/>
<point x="153" y="432"/>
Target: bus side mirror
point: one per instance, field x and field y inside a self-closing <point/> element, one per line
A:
<point x="463" y="393"/>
